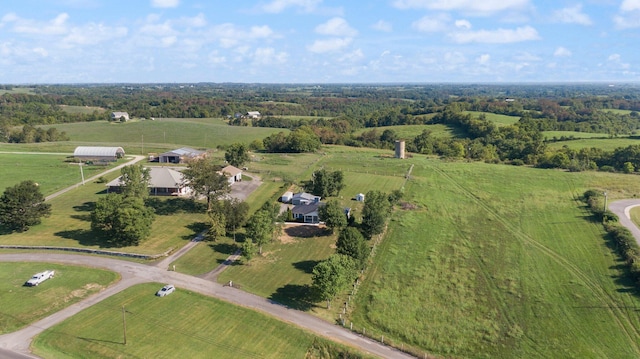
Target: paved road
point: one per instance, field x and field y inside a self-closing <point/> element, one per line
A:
<point x="621" y="209"/>
<point x="134" y="273"/>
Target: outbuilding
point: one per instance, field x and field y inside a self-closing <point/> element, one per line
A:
<point x="286" y="197"/>
<point x="234" y="173"/>
<point x="162" y="181"/>
<point x="360" y="197"/>
<point x="98" y="153"/>
<point x="181" y="155"/>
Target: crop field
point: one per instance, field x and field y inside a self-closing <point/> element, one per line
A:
<point x="22" y="305"/>
<point x="500" y="120"/>
<point x="141" y="137"/>
<point x="50" y="172"/>
<point x="183" y="324"/>
<point x="608" y="144"/>
<point x="501" y="262"/>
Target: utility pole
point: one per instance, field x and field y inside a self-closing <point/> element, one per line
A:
<point x="605" y="202"/>
<point x="124" y="326"/>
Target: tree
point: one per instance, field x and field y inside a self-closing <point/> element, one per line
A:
<point x="205" y="178"/>
<point x="260" y="228"/>
<point x="374" y="213"/>
<point x="333" y="275"/>
<point x="352" y="243"/>
<point x="217" y="225"/>
<point x="22" y="206"/>
<point x="135" y="181"/>
<point x="248" y="249"/>
<point x="324" y="183"/>
<point x="236" y="154"/>
<point x="332" y="214"/>
<point x="124" y="220"/>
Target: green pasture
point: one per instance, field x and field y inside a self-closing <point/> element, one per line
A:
<point x="608" y="144"/>
<point x="22" y="305"/>
<point x="50" y="171"/>
<point x="500" y="120"/>
<point x="409" y="132"/>
<point x="548" y="135"/>
<point x="70" y="223"/>
<point x="18" y="90"/>
<point x="45" y="147"/>
<point x="501" y="262"/>
<point x="635" y="215"/>
<point x="183" y="324"/>
<point x="142" y="137"/>
<point x="617" y="111"/>
<point x="205" y="256"/>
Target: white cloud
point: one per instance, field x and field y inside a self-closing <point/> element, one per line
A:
<point x="230" y="35"/>
<point x="382" y="25"/>
<point x="463" y="24"/>
<point x="93" y="34"/>
<point x="336" y="26"/>
<point x="278" y="6"/>
<point x="562" y="52"/>
<point x="436" y="23"/>
<point x="572" y="15"/>
<point x="630" y="5"/>
<point x="269" y="56"/>
<point x="499" y="36"/>
<point x="479" y="7"/>
<point x="483" y="59"/>
<point x="165" y="3"/>
<point x="615" y="60"/>
<point x="56" y="26"/>
<point x="329" y="45"/>
<point x="628" y="21"/>
<point x="353" y="56"/>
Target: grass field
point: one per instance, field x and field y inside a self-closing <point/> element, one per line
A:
<point x="51" y="172"/>
<point x="205" y="256"/>
<point x="618" y="112"/>
<point x="142" y="137"/>
<point x="501" y="262"/>
<point x="408" y="132"/>
<point x="81" y="109"/>
<point x="573" y="134"/>
<point x="500" y="120"/>
<point x="635" y="215"/>
<point x="608" y="144"/>
<point x="24" y="305"/>
<point x="183" y="324"/>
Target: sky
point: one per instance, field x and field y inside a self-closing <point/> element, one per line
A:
<point x="319" y="41"/>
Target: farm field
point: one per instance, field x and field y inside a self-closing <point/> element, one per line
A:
<point x="500" y="120"/>
<point x="51" y="172"/>
<point x="501" y="262"/>
<point x="81" y="109"/>
<point x="183" y="324"/>
<point x="408" y="132"/>
<point x="608" y="144"/>
<point x="548" y="135"/>
<point x="142" y="137"/>
<point x="22" y="305"/>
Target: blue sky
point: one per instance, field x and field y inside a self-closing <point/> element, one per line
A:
<point x="319" y="41"/>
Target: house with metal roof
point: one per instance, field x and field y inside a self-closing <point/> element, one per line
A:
<point x="180" y="155"/>
<point x="304" y="198"/>
<point x="98" y="153"/>
<point x="163" y="181"/>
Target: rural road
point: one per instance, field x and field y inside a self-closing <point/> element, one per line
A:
<point x="621" y="209"/>
<point x="135" y="273"/>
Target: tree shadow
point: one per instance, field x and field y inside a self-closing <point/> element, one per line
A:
<point x="306" y="266"/>
<point x="86" y="238"/>
<point x="196" y="228"/>
<point x="224" y="248"/>
<point x="85" y="207"/>
<point x="304" y="231"/>
<point x="294" y="296"/>
<point x="167" y="206"/>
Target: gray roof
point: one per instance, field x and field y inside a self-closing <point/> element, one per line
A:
<point x="98" y="151"/>
<point x="184" y="151"/>
<point x="161" y="177"/>
<point x="305" y="195"/>
<point x="306" y="208"/>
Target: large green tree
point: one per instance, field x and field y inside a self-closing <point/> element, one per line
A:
<point x="352" y="243"/>
<point x="324" y="183"/>
<point x="332" y="214"/>
<point x="135" y="181"/>
<point x="261" y="227"/>
<point x="236" y="154"/>
<point x="22" y="206"/>
<point x="375" y="212"/>
<point x="205" y="178"/>
<point x="333" y="275"/>
<point x="126" y="221"/>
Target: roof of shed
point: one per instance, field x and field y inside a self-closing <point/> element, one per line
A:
<point x="98" y="151"/>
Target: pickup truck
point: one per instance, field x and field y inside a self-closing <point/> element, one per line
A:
<point x="39" y="278"/>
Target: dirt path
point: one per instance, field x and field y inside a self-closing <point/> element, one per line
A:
<point x="134" y="273"/>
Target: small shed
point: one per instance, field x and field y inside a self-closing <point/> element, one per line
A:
<point x="119" y="116"/>
<point x="360" y="197"/>
<point x="253" y="114"/>
<point x="286" y="197"/>
<point x="234" y="173"/>
<point x="97" y="153"/>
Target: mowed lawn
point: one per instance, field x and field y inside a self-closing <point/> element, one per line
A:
<point x="50" y="171"/>
<point x="143" y="136"/>
<point x="180" y="325"/>
<point x="607" y="144"/>
<point x="500" y="120"/>
<point x="501" y="262"/>
<point x="21" y="306"/>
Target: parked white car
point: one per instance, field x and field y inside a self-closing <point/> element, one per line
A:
<point x="166" y="290"/>
<point x="39" y="278"/>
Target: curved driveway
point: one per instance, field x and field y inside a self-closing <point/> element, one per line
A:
<point x="621" y="209"/>
<point x="135" y="273"/>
